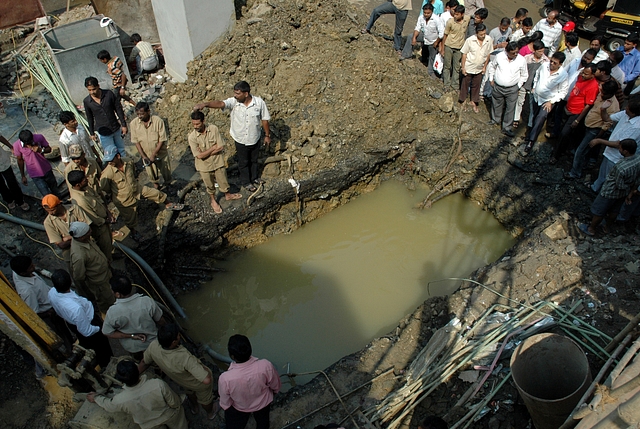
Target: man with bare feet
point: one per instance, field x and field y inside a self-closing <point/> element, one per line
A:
<point x="207" y="147"/>
<point x="249" y="120"/>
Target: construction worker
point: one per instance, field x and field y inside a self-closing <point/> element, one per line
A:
<point x="150" y="137"/>
<point x="150" y="402"/>
<point x="90" y="267"/>
<point x="182" y="367"/>
<point x="118" y="180"/>
<point x="58" y="220"/>
<point x="96" y="210"/>
<point x="90" y="167"/>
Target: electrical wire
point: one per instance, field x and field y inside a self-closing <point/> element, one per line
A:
<point x="34" y="239"/>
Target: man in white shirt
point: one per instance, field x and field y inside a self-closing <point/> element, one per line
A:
<point x="616" y="58"/>
<point x="597" y="43"/>
<point x="507" y="73"/>
<point x="74" y="134"/>
<point x="627" y="127"/>
<point x="551" y="30"/>
<point x="428" y="33"/>
<point x="448" y="11"/>
<point x="572" y="51"/>
<point x="78" y="312"/>
<point x="35" y="293"/>
<point x="550" y="86"/>
<point x="248" y="114"/>
<point x="523" y="31"/>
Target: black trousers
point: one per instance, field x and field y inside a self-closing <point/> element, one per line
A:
<point x="98" y="342"/>
<point x="10" y="188"/>
<point x="248" y="162"/>
<point x="238" y="420"/>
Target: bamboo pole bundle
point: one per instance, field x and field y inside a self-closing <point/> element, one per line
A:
<point x="450" y="350"/>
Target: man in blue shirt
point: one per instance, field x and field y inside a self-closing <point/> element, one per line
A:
<point x="630" y="65"/>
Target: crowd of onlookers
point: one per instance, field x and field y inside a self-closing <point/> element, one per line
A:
<point x="581" y="100"/>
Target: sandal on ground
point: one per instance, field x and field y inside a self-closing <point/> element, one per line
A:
<point x="585" y="229"/>
<point x="12" y="205"/>
<point x="230" y="197"/>
<point x="474" y="107"/>
<point x="25" y="207"/>
<point x="251" y="188"/>
<point x="365" y="31"/>
<point x="516" y="124"/>
<point x="117" y="235"/>
<point x="217" y="210"/>
<point x="174" y="206"/>
<point x="259" y="181"/>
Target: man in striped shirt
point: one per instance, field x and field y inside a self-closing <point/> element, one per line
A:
<point x="143" y="54"/>
<point x="115" y="69"/>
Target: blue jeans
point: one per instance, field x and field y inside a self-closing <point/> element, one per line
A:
<point x="629" y="210"/>
<point x="114" y="139"/>
<point x="582" y="151"/>
<point x="388" y="8"/>
<point x="46" y="184"/>
<point x="605" y="168"/>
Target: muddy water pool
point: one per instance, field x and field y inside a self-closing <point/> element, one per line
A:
<point x="308" y="298"/>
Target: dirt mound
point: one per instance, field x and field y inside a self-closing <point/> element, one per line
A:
<point x="330" y="90"/>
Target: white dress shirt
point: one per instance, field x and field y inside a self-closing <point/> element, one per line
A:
<point x="618" y="74"/>
<point x="33" y="291"/>
<point x="626" y="128"/>
<point x="505" y="72"/>
<point x="445" y="16"/>
<point x="431" y="30"/>
<point x="600" y="56"/>
<point x="246" y="121"/>
<point x="548" y="86"/>
<point x="75" y="310"/>
<point x="571" y="54"/>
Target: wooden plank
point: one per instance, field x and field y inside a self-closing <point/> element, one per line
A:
<point x="12" y="329"/>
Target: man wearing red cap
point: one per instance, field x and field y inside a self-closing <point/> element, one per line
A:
<point x="568" y="27"/>
<point x="57" y="222"/>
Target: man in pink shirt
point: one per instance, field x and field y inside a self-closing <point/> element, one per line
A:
<point x="247" y="387"/>
<point x="30" y="150"/>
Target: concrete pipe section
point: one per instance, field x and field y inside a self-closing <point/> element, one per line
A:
<point x="551" y="373"/>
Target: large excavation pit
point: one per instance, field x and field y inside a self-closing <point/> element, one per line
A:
<point x="308" y="298"/>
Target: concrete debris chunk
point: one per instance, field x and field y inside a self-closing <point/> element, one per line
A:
<point x="556" y="231"/>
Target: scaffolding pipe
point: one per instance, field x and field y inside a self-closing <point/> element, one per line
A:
<point x="146" y="267"/>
